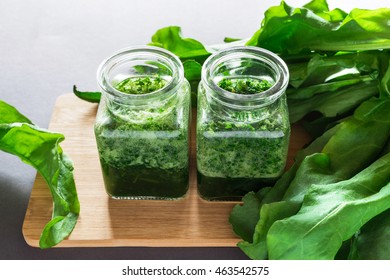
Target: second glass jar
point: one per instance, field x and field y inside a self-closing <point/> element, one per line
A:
<point x="243" y="128"/>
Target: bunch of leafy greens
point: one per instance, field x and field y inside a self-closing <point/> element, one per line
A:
<point x="326" y="205"/>
<point x="40" y="148"/>
<point x="339" y="69"/>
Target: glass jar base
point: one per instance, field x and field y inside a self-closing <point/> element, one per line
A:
<point x="145" y="184"/>
<point x="146" y="198"/>
<point x="229" y="189"/>
<point x="220" y="198"/>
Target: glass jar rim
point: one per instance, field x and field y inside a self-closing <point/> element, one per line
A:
<point x="262" y="98"/>
<point x="117" y="58"/>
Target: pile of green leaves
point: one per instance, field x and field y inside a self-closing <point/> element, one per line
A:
<point x="40" y="148"/>
<point x="333" y="202"/>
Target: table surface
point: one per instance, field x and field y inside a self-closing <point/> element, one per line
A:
<point x="47" y="46"/>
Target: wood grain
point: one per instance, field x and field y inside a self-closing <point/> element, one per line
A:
<point x="105" y="222"/>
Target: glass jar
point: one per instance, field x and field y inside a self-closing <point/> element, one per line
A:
<point x="242" y="139"/>
<point x="142" y="137"/>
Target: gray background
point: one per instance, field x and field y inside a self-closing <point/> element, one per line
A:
<point x="46" y="46"/>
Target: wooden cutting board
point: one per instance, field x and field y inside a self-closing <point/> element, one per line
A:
<point x="105" y="222"/>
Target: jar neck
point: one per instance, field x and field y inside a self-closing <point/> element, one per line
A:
<point x="244" y="63"/>
<point x="158" y="99"/>
<point x="140" y="62"/>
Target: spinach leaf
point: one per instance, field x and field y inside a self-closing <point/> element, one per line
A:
<point x="315" y="83"/>
<point x="170" y="38"/>
<point x="321" y="69"/>
<point x="372" y="240"/>
<point x="287" y="29"/>
<point x="317" y="126"/>
<point x="331" y="214"/>
<point x="374" y="110"/>
<point x="362" y="140"/>
<point x="333" y="104"/>
<point x="268" y="214"/>
<point x="231" y="40"/>
<point x="192" y="70"/>
<point x="9" y="114"/>
<point x="40" y="148"/>
<point x="310" y="91"/>
<point x="385" y="80"/>
<point x="90" y="96"/>
<point x="243" y="218"/>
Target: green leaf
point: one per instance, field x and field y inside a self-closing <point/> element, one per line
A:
<point x="318" y="126"/>
<point x="319" y="69"/>
<point x="332" y="104"/>
<point x="286" y="29"/>
<point x="318" y="6"/>
<point x="385" y="82"/>
<point x="8" y="114"/>
<point x="192" y="70"/>
<point x="231" y="40"/>
<point x="170" y="38"/>
<point x="90" y="96"/>
<point x="40" y="148"/>
<point x="386" y="149"/>
<point x="334" y="85"/>
<point x="243" y="218"/>
<point x="331" y="214"/>
<point x="374" y="110"/>
<point x="372" y="242"/>
<point x="361" y="140"/>
<point x="268" y="213"/>
<point x="310" y="91"/>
